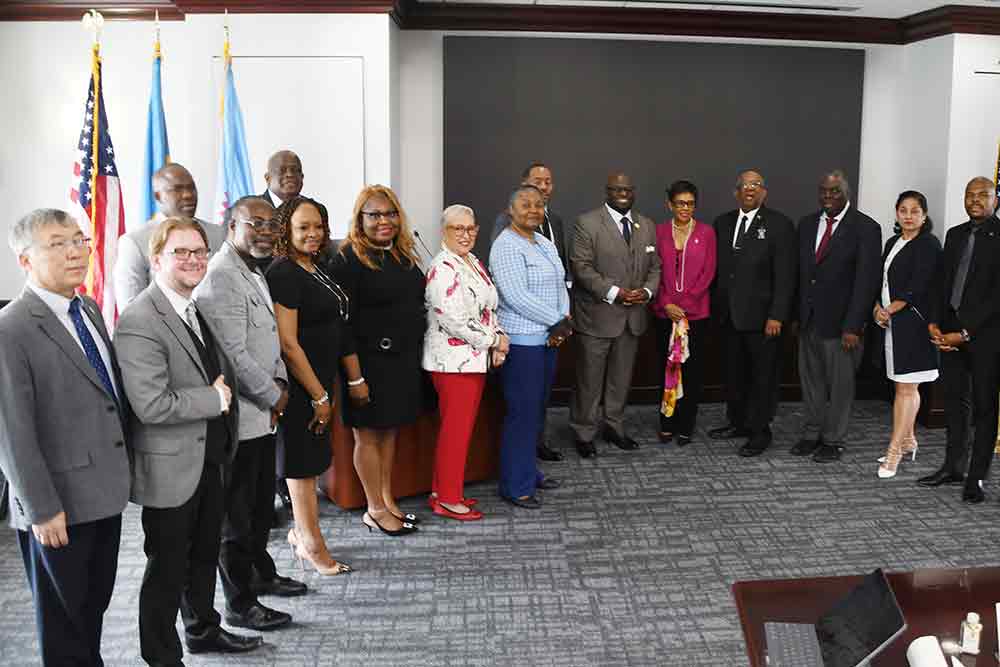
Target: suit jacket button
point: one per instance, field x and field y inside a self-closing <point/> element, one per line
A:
<point x="111" y="408"/>
<point x="732" y="275"/>
<point x="201" y="439"/>
<point x="119" y="444"/>
<point x="812" y="282"/>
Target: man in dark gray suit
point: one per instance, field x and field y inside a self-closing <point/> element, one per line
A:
<point x="177" y="196"/>
<point x="284" y="178"/>
<point x="616" y="271"/>
<point x="539" y="175"/>
<point x="184" y="431"/>
<point x="63" y="421"/>
<point x="839" y="268"/>
<point x="236" y="300"/>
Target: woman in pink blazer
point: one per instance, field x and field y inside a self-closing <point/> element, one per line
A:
<point x="687" y="251"/>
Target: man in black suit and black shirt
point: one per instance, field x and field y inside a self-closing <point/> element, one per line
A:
<point x="839" y="268"/>
<point x="754" y="288"/>
<point x="965" y="325"/>
<point x="539" y="175"/>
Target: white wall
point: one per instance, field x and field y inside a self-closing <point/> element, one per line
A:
<point x="44" y="71"/>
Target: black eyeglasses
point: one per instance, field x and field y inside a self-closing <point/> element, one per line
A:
<point x="382" y="215"/>
<point x="184" y="254"/>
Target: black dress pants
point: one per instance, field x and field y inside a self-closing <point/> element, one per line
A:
<point x="247" y="523"/>
<point x="682" y="422"/>
<point x="71" y="587"/>
<point x="182" y="553"/>
<point x="752" y="362"/>
<point x="971" y="378"/>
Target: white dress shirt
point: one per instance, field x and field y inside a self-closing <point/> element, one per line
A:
<point x="821" y="228"/>
<point x="749" y="215"/>
<point x="60" y="308"/>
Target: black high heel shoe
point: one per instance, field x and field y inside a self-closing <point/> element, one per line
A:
<point x="405" y="530"/>
<point x="407" y="518"/>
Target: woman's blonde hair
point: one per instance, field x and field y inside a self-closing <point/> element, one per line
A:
<point x="403" y="246"/>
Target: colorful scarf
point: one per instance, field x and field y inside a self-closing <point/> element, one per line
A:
<point x="677" y="354"/>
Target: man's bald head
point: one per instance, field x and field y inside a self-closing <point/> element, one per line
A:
<point x="980" y="198"/>
<point x="175" y="191"/>
<point x="284" y="175"/>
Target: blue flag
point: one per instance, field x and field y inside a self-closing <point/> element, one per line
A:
<point x="234" y="179"/>
<point x="157" y="146"/>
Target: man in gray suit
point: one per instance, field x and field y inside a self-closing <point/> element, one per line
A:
<point x="616" y="272"/>
<point x="63" y="423"/>
<point x="234" y="298"/>
<point x="185" y="430"/>
<point x="177" y="196"/>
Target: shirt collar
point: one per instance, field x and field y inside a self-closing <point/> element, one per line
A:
<point x="177" y="302"/>
<point x="840" y="216"/>
<point x="278" y="201"/>
<point x="616" y="216"/>
<point x="750" y="215"/>
<point x="56" y="302"/>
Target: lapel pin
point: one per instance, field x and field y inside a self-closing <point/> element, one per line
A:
<point x="761" y="233"/>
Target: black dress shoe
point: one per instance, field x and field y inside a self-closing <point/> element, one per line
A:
<point x="224" y="642"/>
<point x="586" y="450"/>
<point x="827" y="453"/>
<point x="621" y="441"/>
<point x="529" y="503"/>
<point x="728" y="432"/>
<point x="805" y="447"/>
<point x="973" y="492"/>
<point x="546" y="453"/>
<point x="756" y="445"/>
<point x="549" y="483"/>
<point x="283" y="587"/>
<point x="942" y="476"/>
<point x="259" y="617"/>
<point x="683" y="440"/>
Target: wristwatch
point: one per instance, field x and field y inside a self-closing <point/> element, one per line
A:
<point x="965" y="336"/>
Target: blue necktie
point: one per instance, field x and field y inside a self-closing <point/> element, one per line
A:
<point x="90" y="347"/>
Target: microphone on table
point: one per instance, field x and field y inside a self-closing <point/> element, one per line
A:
<point x="416" y="234"/>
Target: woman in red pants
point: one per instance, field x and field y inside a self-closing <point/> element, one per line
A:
<point x="463" y="338"/>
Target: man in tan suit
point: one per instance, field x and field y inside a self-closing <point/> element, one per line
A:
<point x="615" y="273"/>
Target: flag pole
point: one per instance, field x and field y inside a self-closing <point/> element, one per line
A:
<point x="93" y="21"/>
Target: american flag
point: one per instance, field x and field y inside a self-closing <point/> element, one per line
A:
<point x="97" y="197"/>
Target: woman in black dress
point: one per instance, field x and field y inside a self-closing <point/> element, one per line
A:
<point x="312" y="312"/>
<point x="378" y="268"/>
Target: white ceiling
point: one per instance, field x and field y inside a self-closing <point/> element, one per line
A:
<point x="872" y="8"/>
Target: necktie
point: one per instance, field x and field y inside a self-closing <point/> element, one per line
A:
<point x="825" y="241"/>
<point x="741" y="233"/>
<point x="90" y="347"/>
<point x="192" y="321"/>
<point x="545" y="228"/>
<point x="962" y="272"/>
<point x="627" y="229"/>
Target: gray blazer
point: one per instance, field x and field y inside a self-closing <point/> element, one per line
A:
<point x="62" y="437"/>
<point x="601" y="259"/>
<point x="132" y="272"/>
<point x="240" y="309"/>
<point x="172" y="400"/>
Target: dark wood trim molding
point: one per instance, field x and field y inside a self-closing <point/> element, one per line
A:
<point x="951" y="19"/>
<point x="58" y="10"/>
<point x="288" y="7"/>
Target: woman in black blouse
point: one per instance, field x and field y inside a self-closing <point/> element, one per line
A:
<point x="378" y="268"/>
<point x="312" y="312"/>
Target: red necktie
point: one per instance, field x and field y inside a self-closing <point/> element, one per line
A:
<point x="825" y="241"/>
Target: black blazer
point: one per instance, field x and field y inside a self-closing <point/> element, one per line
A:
<point x="980" y="309"/>
<point x="836" y="295"/>
<point x="485" y="240"/>
<point x="910" y="276"/>
<point x="757" y="283"/>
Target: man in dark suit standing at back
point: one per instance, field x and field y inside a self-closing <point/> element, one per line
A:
<point x="539" y="175"/>
<point x="755" y="285"/>
<point x="965" y="325"/>
<point x="284" y="178"/>
<point x="839" y="269"/>
<point x="63" y="420"/>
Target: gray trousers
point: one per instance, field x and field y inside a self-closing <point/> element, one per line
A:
<point x="826" y="372"/>
<point x="603" y="372"/>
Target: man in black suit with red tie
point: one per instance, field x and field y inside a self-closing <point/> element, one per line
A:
<point x="840" y="249"/>
<point x="965" y="325"/>
<point x="752" y="299"/>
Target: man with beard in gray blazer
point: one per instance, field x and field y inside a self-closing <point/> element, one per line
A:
<point x="63" y="421"/>
<point x="235" y="299"/>
<point x="177" y="196"/>
<point x="616" y="271"/>
<point x="185" y="430"/>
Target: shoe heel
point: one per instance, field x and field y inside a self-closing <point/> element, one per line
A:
<point x="365" y="523"/>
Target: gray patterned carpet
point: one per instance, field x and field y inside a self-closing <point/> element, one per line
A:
<point x="629" y="564"/>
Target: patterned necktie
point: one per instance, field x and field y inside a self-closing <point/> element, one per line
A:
<point x="90" y="347"/>
<point x="962" y="271"/>
<point x="192" y="321"/>
<point x="742" y="232"/>
<point x="627" y="229"/>
<point x="825" y="241"/>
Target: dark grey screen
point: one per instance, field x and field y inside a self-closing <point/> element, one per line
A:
<point x="659" y="111"/>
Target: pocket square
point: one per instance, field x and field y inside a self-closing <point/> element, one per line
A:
<point x="651" y="248"/>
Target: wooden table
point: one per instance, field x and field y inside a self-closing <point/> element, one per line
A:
<point x="934" y="602"/>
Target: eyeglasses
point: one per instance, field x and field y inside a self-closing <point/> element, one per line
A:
<point x="683" y="203"/>
<point x="391" y="216"/>
<point x="185" y="254"/>
<point x="62" y="245"/>
<point x="463" y="231"/>
<point x="751" y="185"/>
<point x="260" y="224"/>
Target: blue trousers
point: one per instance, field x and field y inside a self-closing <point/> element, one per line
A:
<point x="527" y="380"/>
